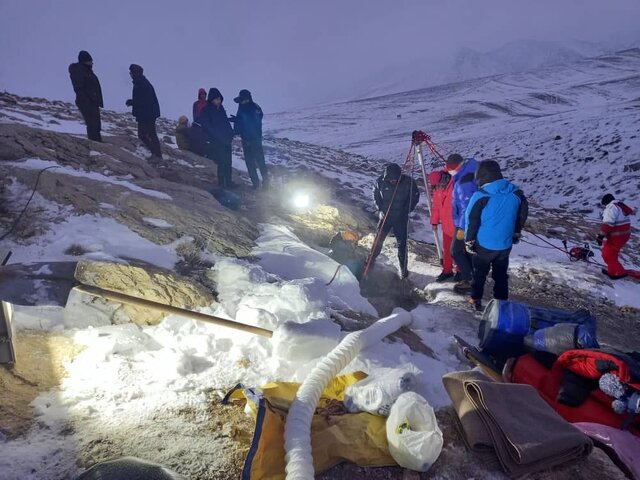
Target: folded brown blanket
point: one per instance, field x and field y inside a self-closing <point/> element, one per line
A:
<point x="475" y="435"/>
<point x="526" y="434"/>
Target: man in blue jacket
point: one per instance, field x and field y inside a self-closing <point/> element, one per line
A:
<point x="464" y="186"/>
<point x="495" y="217"/>
<point x="248" y="124"/>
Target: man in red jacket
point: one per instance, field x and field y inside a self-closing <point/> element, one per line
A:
<point x="614" y="233"/>
<point x="198" y="105"/>
<point x="442" y="214"/>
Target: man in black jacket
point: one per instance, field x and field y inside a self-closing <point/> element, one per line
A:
<point x="396" y="196"/>
<point x="217" y="128"/>
<point x="88" y="94"/>
<point x="248" y="124"/>
<point x="146" y="109"/>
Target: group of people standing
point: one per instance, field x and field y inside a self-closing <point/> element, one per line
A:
<point x="210" y="134"/>
<point x="143" y="101"/>
<point x="481" y="213"/>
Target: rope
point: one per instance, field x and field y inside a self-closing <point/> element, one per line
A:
<point x="555" y="247"/>
<point x="33" y="192"/>
<point x="334" y="275"/>
<point x="536" y="245"/>
<point x="408" y="161"/>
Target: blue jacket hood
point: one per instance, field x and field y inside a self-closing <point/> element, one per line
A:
<point x="500" y="187"/>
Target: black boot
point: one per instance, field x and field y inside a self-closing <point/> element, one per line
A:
<point x="443" y="277"/>
<point x="463" y="287"/>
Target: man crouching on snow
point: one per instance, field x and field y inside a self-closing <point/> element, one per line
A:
<point x="615" y="233"/>
<point x="495" y="217"/>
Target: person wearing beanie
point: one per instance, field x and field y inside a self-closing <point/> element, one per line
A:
<point x="88" y="94"/>
<point x="494" y="220"/>
<point x="441" y="214"/>
<point x="248" y="124"/>
<point x="615" y="232"/>
<point x="396" y="196"/>
<point x="146" y="109"/>
<point x="464" y="186"/>
<point x="182" y="133"/>
<point x="219" y="133"/>
<point x="199" y="105"/>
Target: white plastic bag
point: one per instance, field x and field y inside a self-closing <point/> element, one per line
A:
<point x="415" y="440"/>
<point x="376" y="394"/>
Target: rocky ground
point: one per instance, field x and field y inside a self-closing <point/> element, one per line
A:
<point x="98" y="178"/>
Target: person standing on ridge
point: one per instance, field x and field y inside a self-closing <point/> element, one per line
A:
<point x="88" y="94"/>
<point x="615" y="232"/>
<point x="219" y="132"/>
<point x="248" y="124"/>
<point x="199" y="105"/>
<point x="464" y="186"/>
<point x="441" y="214"/>
<point x="494" y="220"/>
<point x="396" y="196"/>
<point x="146" y="109"/>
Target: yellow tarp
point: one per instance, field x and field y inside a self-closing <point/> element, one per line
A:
<point x="336" y="436"/>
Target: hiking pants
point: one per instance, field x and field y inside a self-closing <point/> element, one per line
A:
<point x="399" y="227"/>
<point x="147" y="133"/>
<point x="221" y="154"/>
<point x="498" y="261"/>
<point x="91" y="115"/>
<point x="610" y="252"/>
<point x="447" y="259"/>
<point x="254" y="158"/>
<point x="462" y="259"/>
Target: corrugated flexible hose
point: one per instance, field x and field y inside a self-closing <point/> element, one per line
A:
<point x="297" y="432"/>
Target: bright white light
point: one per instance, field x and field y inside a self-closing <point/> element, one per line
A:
<point x="301" y="200"/>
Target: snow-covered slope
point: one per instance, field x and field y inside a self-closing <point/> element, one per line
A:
<point x="568" y="133"/>
<point x="151" y="389"/>
<point x="467" y="64"/>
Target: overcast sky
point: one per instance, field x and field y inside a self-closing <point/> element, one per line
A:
<point x="289" y="53"/>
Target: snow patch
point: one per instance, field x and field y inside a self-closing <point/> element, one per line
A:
<point x="37" y="164"/>
<point x="156" y="222"/>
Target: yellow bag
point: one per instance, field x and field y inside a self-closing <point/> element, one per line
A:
<point x="336" y="436"/>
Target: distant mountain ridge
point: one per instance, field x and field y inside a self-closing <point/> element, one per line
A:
<point x="513" y="57"/>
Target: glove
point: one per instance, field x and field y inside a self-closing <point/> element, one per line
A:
<point x="459" y="234"/>
<point x="600" y="239"/>
<point x="516" y="238"/>
<point x="380" y="215"/>
<point x="470" y="247"/>
<point x="129" y="103"/>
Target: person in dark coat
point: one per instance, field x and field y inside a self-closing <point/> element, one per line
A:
<point x="146" y="109"/>
<point x="199" y="105"/>
<point x="248" y="124"/>
<point x="88" y="94"/>
<point x="495" y="217"/>
<point x="218" y="130"/>
<point x="396" y="196"/>
<point x="464" y="186"/>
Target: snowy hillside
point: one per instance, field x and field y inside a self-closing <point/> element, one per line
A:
<point x="468" y="64"/>
<point x="569" y="133"/>
<point x="96" y="380"/>
<point x="519" y="56"/>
